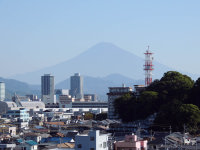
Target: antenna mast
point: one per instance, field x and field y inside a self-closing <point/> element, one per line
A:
<point x="148" y="67"/>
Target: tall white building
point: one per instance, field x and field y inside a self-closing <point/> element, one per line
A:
<point x="2" y="91"/>
<point x="115" y="92"/>
<point x="93" y="141"/>
<point x="76" y="86"/>
<point x="47" y="89"/>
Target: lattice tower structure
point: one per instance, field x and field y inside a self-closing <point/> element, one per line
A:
<point x="148" y="67"/>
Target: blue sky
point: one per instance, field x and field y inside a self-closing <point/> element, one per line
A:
<point x="36" y="34"/>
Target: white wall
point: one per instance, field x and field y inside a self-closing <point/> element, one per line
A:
<point x="92" y="140"/>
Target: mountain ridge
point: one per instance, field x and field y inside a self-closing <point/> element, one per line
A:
<point x="100" y="60"/>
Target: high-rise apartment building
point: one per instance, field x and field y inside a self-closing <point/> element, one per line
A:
<point x="115" y="92"/>
<point x="47" y="89"/>
<point x="76" y="86"/>
<point x="2" y="91"/>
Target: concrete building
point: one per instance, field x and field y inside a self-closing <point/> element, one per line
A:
<point x="8" y="129"/>
<point x="21" y="115"/>
<point x="59" y="92"/>
<point x="76" y="86"/>
<point x="2" y="91"/>
<point x="131" y="143"/>
<point x="47" y="89"/>
<point x="7" y="146"/>
<point x="115" y="92"/>
<point x="32" y="97"/>
<point x="9" y="105"/>
<point x="93" y="141"/>
<point x="89" y="105"/>
<point x="65" y="101"/>
<point x="92" y="97"/>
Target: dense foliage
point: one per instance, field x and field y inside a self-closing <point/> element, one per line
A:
<point x="175" y="98"/>
<point x="101" y="116"/>
<point x="88" y="116"/>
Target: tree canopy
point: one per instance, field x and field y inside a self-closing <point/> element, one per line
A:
<point x="173" y="85"/>
<point x="174" y="98"/>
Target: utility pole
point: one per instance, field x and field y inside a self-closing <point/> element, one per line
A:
<point x="170" y="129"/>
<point x="151" y="134"/>
<point x="60" y="136"/>
<point x="138" y="131"/>
<point x="184" y="129"/>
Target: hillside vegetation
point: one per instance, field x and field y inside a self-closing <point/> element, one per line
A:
<point x="175" y="98"/>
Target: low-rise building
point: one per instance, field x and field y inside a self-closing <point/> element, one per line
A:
<point x="21" y="115"/>
<point x="7" y="146"/>
<point x="27" y="145"/>
<point x="131" y="143"/>
<point x="10" y="105"/>
<point x="8" y="129"/>
<point x="92" y="141"/>
<point x="65" y="101"/>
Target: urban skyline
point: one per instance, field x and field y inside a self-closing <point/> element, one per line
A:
<point x="80" y="80"/>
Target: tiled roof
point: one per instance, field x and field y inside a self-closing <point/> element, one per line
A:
<point x="66" y="145"/>
<point x="55" y="123"/>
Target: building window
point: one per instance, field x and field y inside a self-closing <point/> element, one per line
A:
<point x="79" y="146"/>
<point x="92" y="148"/>
<point x="91" y="138"/>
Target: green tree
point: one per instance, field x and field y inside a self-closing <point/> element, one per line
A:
<point x="190" y="115"/>
<point x="101" y="116"/>
<point x="173" y="85"/>
<point x="177" y="115"/>
<point x="88" y="116"/>
<point x="173" y="98"/>
<point x="124" y="106"/>
<point x="130" y="108"/>
<point x="148" y="103"/>
<point x="168" y="116"/>
<point x="194" y="95"/>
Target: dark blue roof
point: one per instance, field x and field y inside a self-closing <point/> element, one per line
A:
<point x="56" y="139"/>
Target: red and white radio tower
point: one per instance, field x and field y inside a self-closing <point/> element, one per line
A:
<point x="148" y="67"/>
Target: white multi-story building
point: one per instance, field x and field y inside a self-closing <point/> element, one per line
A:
<point x="115" y="92"/>
<point x="21" y="115"/>
<point x="2" y="91"/>
<point x="93" y="141"/>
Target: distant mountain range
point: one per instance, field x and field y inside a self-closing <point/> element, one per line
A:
<point x="92" y="85"/>
<point x="20" y="88"/>
<point x="100" y="60"/>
